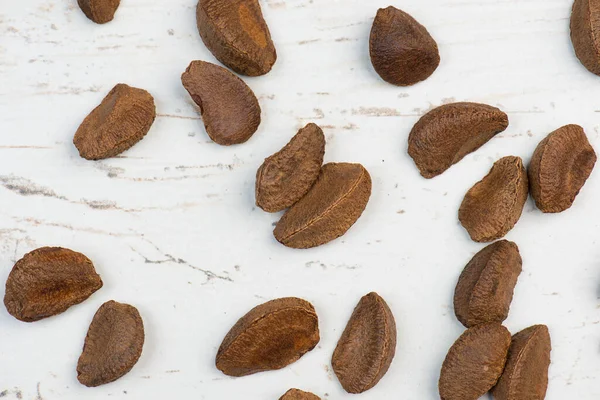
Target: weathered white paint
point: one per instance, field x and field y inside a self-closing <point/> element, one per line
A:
<point x="172" y="227"/>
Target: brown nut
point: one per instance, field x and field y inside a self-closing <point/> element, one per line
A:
<point x="99" y="11"/>
<point x="402" y="51"/>
<point x="295" y="394"/>
<point x="229" y="108"/>
<point x="237" y="35"/>
<point x="446" y="134"/>
<point x="493" y="205"/>
<point x="120" y="121"/>
<point x="329" y="209"/>
<point x="269" y="337"/>
<point x="559" y="168"/>
<point x="485" y="287"/>
<point x="474" y="362"/>
<point x="367" y="345"/>
<point x="286" y="176"/>
<point x="585" y="27"/>
<point x="47" y="281"/>
<point x="525" y="376"/>
<point x="113" y="344"/>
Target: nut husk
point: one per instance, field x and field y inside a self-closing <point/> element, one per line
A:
<point x="446" y="134"/>
<point x="402" y="50"/>
<point x="493" y="205"/>
<point x="229" y="108"/>
<point x="559" y="168"/>
<point x="236" y="33"/>
<point x="286" y="176"/>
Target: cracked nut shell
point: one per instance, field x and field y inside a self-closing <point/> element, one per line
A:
<point x="229" y="108"/>
<point x="113" y="344"/>
<point x="446" y="134"/>
<point x="585" y="28"/>
<point x="493" y="205"/>
<point x="47" y="281"/>
<point x="286" y="176"/>
<point x="486" y="285"/>
<point x="367" y="346"/>
<point x="121" y="120"/>
<point x="525" y="376"/>
<point x="474" y="363"/>
<point x="559" y="168"/>
<point x="329" y="209"/>
<point x="99" y="11"/>
<point x="269" y="337"/>
<point x="402" y="51"/>
<point x="295" y="394"/>
<point x="236" y="33"/>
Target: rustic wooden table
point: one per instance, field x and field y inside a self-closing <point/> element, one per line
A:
<point x="172" y="227"/>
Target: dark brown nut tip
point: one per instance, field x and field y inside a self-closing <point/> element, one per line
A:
<point x="113" y="344"/>
<point x="560" y="166"/>
<point x="286" y="176"/>
<point x="120" y="121"/>
<point x="367" y="346"/>
<point x="329" y="209"/>
<point x="47" y="281"/>
<point x="525" y="376"/>
<point x="99" y="11"/>
<point x="402" y="51"/>
<point x="493" y="205"/>
<point x="237" y="35"/>
<point x="295" y="394"/>
<point x="229" y="108"/>
<point x="446" y="134"/>
<point x="474" y="363"/>
<point x="269" y="337"/>
<point x="486" y="285"/>
<point x="585" y="27"/>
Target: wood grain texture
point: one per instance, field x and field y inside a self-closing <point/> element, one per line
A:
<point x="160" y="220"/>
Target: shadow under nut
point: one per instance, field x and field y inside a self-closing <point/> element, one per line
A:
<point x="237" y="35"/>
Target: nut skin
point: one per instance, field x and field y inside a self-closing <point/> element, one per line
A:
<point x="367" y="346"/>
<point x="474" y="363"/>
<point x="295" y="394"/>
<point x="560" y="166"/>
<point x="121" y="120"/>
<point x="525" y="376"/>
<point x="585" y="30"/>
<point x="47" y="281"/>
<point x="446" y="134"/>
<point x="493" y="205"/>
<point x="229" y="108"/>
<point x="237" y="35"/>
<point x="286" y="176"/>
<point x="329" y="209"/>
<point x="485" y="288"/>
<point x="402" y="50"/>
<point x="269" y="337"/>
<point x="113" y="344"/>
<point x="99" y="11"/>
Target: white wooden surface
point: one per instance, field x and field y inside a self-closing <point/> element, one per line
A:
<point x="171" y="224"/>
